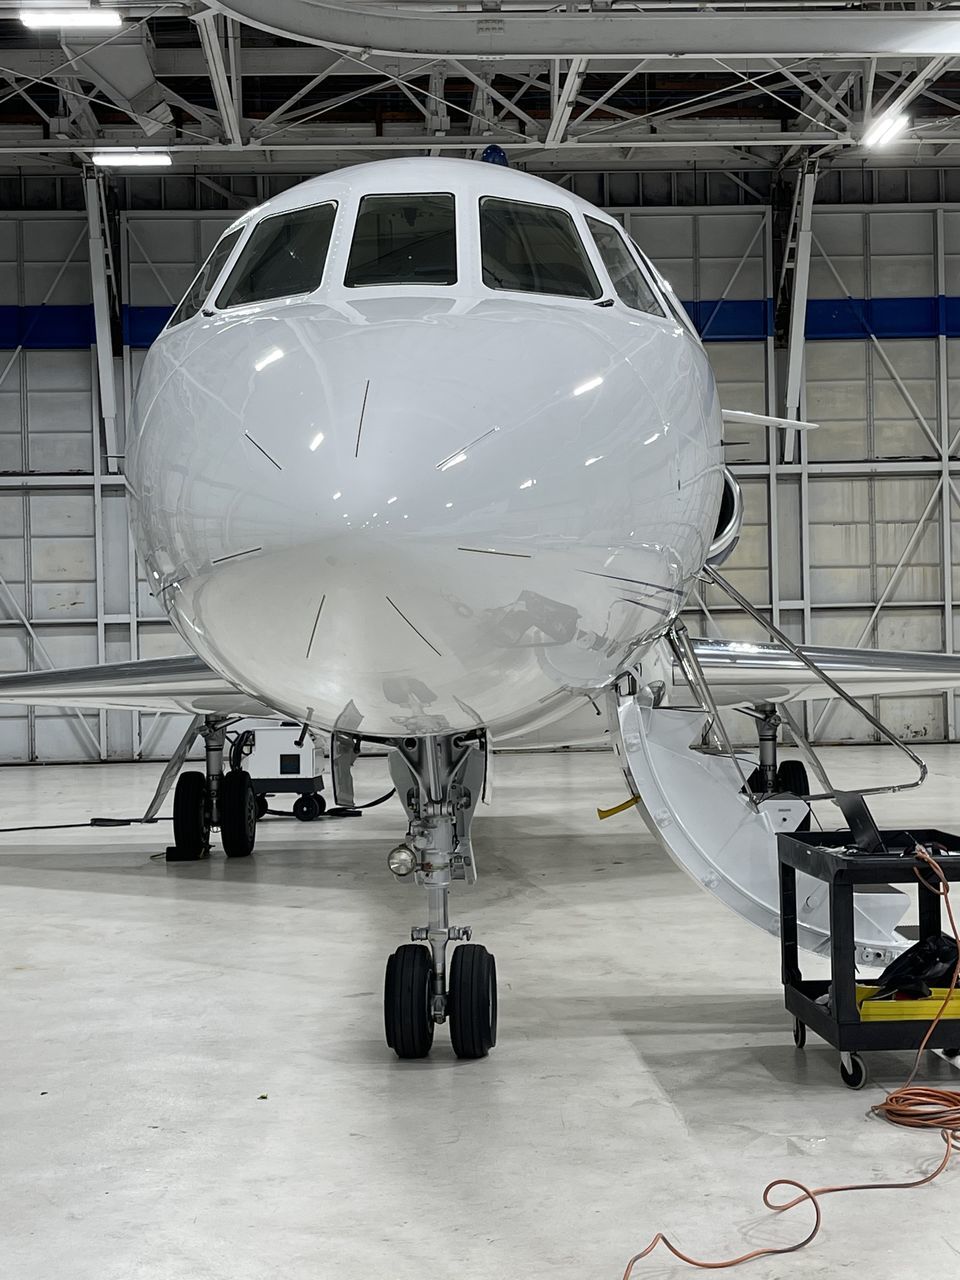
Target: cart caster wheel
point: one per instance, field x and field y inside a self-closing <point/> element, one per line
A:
<point x="306" y="809"/>
<point x="262" y="806"/>
<point x="407" y="991"/>
<point x="853" y="1076"/>
<point x="799" y="1033"/>
<point x="321" y="804"/>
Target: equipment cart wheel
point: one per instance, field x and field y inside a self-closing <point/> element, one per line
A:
<point x="472" y="1001"/>
<point x="853" y="1070"/>
<point x="321" y="803"/>
<point x="306" y="809"/>
<point x="238" y="814"/>
<point x="407" y="992"/>
<point x="799" y="1033"/>
<point x="191" y="817"/>
<point x="792" y="777"/>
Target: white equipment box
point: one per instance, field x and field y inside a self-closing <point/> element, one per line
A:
<point x="278" y="762"/>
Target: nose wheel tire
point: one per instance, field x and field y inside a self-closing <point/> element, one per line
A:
<point x="191" y="817"/>
<point x="407" y="991"/>
<point x="238" y="814"/>
<point x="262" y="806"/>
<point x="472" y="1001"/>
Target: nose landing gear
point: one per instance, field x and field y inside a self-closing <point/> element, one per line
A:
<point x="439" y="780"/>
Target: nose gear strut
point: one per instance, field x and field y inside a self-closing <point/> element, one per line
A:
<point x="439" y="780"/>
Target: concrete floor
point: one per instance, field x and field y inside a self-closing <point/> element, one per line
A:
<point x="645" y="1077"/>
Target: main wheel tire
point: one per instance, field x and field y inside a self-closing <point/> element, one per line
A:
<point x="191" y="816"/>
<point x="856" y="1077"/>
<point x="472" y="1001"/>
<point x="238" y="814"/>
<point x="792" y="777"/>
<point x="407" y="990"/>
<point x="305" y="808"/>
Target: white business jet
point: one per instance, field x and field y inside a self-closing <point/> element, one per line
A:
<point x="428" y="456"/>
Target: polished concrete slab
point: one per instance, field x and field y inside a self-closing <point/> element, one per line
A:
<point x="195" y="1084"/>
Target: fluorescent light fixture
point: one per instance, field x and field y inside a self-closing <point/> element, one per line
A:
<point x="45" y="19"/>
<point x="316" y="442"/>
<point x="885" y="130"/>
<point x="528" y="484"/>
<point x="337" y="495"/>
<point x="587" y="386"/>
<point x="390" y="500"/>
<point x="272" y="356"/>
<point x="454" y="461"/>
<point x="590" y="461"/>
<point x="131" y="159"/>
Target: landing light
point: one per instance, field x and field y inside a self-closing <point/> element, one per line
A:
<point x="402" y="861"/>
<point x="587" y="386"/>
<point x="44" y="19"/>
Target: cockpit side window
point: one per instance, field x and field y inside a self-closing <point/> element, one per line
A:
<point x="674" y="305"/>
<point x="627" y="279"/>
<point x="533" y="248"/>
<point x="284" y="257"/>
<point x="205" y="278"/>
<point x="404" y="239"/>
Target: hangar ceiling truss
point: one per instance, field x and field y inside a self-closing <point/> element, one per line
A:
<point x="244" y="85"/>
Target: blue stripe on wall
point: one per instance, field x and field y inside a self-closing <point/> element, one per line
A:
<point x="46" y="328"/>
<point x="52" y="328"/>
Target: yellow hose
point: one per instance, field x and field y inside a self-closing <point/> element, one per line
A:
<point x="618" y="808"/>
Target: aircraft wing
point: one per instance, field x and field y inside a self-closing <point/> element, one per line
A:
<point x="742" y="672"/>
<point x="148" y="684"/>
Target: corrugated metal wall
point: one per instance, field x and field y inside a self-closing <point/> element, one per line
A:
<point x="883" y="376"/>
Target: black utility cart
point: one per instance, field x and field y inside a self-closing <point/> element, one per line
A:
<point x="839" y="859"/>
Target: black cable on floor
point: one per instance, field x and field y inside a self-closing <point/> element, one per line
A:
<point x="91" y="822"/>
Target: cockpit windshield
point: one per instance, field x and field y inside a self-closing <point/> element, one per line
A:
<point x="283" y="258"/>
<point x="534" y="248"/>
<point x="205" y="278"/>
<point x="405" y="239"/>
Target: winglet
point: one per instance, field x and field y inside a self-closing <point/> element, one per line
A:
<point x="765" y="420"/>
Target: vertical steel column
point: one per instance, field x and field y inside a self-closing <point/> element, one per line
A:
<point x="101" y="319"/>
<point x="798" y="301"/>
<point x="946" y="500"/>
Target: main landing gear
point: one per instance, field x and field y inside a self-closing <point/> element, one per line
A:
<point x="439" y="780"/>
<point x="214" y="799"/>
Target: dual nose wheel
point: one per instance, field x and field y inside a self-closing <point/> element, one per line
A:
<point x="471" y="1001"/>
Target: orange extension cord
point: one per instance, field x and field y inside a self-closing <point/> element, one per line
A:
<point x="914" y="1106"/>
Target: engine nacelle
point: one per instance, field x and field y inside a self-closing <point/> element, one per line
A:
<point x="729" y="521"/>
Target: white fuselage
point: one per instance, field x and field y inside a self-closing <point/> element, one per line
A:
<point x="410" y="510"/>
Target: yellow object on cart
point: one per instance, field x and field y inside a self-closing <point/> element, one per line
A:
<point x="924" y="1010"/>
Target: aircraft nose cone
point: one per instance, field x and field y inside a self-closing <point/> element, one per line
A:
<point x="413" y="513"/>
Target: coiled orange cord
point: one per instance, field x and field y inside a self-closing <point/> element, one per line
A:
<point x="914" y="1106"/>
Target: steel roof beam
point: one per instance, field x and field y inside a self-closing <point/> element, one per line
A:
<point x="365" y="27"/>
